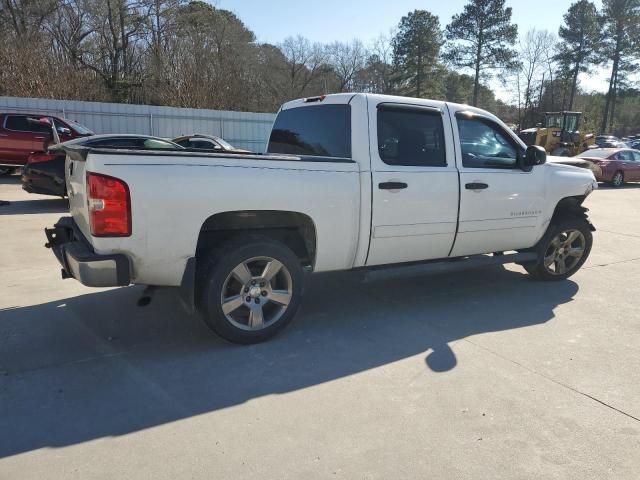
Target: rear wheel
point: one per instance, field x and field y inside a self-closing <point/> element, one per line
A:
<point x="251" y="289"/>
<point x="562" y="251"/>
<point x="618" y="179"/>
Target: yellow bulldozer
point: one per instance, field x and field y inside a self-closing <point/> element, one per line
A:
<point x="559" y="135"/>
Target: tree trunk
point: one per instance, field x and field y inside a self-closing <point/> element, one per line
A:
<point x="574" y="86"/>
<point x="612" y="87"/>
<point x="476" y="83"/>
<point x="613" y="100"/>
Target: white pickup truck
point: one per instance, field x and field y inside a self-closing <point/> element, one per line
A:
<point x="348" y="181"/>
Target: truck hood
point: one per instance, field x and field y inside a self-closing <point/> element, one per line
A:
<point x="574" y="162"/>
<point x="572" y="176"/>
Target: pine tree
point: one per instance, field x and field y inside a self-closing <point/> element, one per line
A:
<point x="579" y="36"/>
<point x="621" y="46"/>
<point x="483" y="37"/>
<point x="416" y="48"/>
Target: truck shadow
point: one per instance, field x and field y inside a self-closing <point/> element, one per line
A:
<point x="10" y="179"/>
<point x="36" y="206"/>
<point x="95" y="365"/>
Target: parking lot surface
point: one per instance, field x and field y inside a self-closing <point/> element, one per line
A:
<point x="465" y="375"/>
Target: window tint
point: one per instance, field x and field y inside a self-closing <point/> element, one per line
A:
<point x="21" y="123"/>
<point x="485" y="145"/>
<point x="624" y="155"/>
<point x="323" y="130"/>
<point x="411" y="137"/>
<point x="116" y="143"/>
<point x="202" y="144"/>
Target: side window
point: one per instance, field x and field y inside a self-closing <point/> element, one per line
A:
<point x="132" y="143"/>
<point x="411" y="137"/>
<point x="21" y="123"/>
<point x="624" y="155"/>
<point x="486" y="145"/>
<point x="636" y="156"/>
<point x="202" y="144"/>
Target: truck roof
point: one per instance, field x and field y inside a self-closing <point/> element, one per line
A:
<point x="345" y="98"/>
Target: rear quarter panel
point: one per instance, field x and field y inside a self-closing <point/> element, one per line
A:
<point x="172" y="196"/>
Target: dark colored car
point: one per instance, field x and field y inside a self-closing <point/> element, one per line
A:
<point x="209" y="143"/>
<point x="44" y="172"/>
<point x="21" y="134"/>
<point x="635" y="144"/>
<point x="618" y="165"/>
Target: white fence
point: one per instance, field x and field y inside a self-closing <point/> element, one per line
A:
<point x="242" y="129"/>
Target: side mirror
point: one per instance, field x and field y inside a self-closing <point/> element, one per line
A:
<point x="535" y="155"/>
<point x="64" y="131"/>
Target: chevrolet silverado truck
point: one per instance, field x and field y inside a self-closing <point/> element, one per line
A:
<point x="348" y="181"/>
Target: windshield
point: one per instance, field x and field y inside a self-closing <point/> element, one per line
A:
<point x="226" y="145"/>
<point x="595" y="154"/>
<point x="553" y="121"/>
<point x="81" y="129"/>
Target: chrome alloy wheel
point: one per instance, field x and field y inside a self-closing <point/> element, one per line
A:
<point x="618" y="179"/>
<point x="256" y="293"/>
<point x="564" y="252"/>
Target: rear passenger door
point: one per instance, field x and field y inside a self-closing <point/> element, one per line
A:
<point x="415" y="182"/>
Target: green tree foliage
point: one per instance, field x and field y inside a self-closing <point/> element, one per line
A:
<point x="416" y="51"/>
<point x="621" y="46"/>
<point x="577" y="51"/>
<point x="482" y="38"/>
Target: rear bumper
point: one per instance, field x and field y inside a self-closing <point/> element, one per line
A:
<point x="79" y="261"/>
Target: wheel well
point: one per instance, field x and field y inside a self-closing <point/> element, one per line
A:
<point x="569" y="207"/>
<point x="296" y="230"/>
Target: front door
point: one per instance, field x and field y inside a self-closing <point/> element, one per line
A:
<point x="500" y="204"/>
<point x="415" y="182"/>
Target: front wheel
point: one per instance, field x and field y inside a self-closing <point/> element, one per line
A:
<point x="251" y="289"/>
<point x="562" y="251"/>
<point x="618" y="179"/>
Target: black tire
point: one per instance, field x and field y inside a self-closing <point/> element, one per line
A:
<point x="540" y="271"/>
<point x="618" y="179"/>
<point x="216" y="275"/>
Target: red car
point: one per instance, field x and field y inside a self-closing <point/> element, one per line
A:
<point x="618" y="165"/>
<point x="21" y="134"/>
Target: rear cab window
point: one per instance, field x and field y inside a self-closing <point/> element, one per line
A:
<point x="316" y="131"/>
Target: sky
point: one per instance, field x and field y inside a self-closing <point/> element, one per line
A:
<point x="343" y="20"/>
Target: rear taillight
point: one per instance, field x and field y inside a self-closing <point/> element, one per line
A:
<point x="109" y="206"/>
<point x="40" y="157"/>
